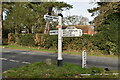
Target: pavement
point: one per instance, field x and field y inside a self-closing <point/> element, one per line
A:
<point x="12" y="58"/>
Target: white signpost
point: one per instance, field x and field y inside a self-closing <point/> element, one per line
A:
<point x="72" y="33"/>
<point x="60" y="59"/>
<point x="51" y="18"/>
<point x="84" y="59"/>
<point x="53" y="32"/>
<point x="68" y="32"/>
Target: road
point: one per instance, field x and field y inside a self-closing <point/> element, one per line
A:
<point x="15" y="58"/>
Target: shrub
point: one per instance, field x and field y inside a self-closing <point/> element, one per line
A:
<point x="25" y="39"/>
<point x="12" y="40"/>
<point x="48" y="41"/>
<point x="4" y="41"/>
<point x="96" y="42"/>
<point x="77" y="43"/>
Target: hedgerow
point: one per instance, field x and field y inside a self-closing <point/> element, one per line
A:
<point x="89" y="42"/>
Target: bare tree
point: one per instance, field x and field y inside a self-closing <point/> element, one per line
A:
<point x="46" y="27"/>
<point x="75" y="20"/>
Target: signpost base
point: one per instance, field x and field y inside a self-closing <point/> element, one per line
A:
<point x="59" y="63"/>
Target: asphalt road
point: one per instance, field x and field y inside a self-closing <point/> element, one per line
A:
<point x="15" y="58"/>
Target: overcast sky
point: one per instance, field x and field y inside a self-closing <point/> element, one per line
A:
<point x="80" y="8"/>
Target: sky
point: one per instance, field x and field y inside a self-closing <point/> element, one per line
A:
<point x="80" y="8"/>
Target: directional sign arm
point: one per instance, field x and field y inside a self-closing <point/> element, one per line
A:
<point x="51" y="18"/>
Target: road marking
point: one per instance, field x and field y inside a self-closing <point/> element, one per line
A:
<point x="19" y="61"/>
<point x="13" y="60"/>
<point x="25" y="62"/>
<point x="3" y="59"/>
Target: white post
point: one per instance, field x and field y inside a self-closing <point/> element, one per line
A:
<point x="59" y="59"/>
<point x="84" y="59"/>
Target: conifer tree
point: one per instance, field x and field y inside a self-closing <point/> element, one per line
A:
<point x="29" y="15"/>
<point x="107" y="22"/>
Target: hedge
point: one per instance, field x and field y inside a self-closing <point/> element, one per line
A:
<point x="69" y="43"/>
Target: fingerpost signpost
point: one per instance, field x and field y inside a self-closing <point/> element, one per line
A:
<point x="59" y="59"/>
<point x="68" y="32"/>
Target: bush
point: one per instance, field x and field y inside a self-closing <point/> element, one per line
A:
<point x="46" y="41"/>
<point x="77" y="43"/>
<point x="51" y="42"/>
<point x="12" y="40"/>
<point x="101" y="43"/>
<point x="4" y="41"/>
<point x="96" y="42"/>
<point x="107" y="36"/>
<point x="25" y="39"/>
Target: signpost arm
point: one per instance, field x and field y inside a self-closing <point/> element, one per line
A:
<point x="59" y="59"/>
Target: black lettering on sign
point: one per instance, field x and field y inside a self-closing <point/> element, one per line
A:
<point x="73" y="30"/>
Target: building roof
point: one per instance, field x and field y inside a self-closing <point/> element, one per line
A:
<point x="84" y="28"/>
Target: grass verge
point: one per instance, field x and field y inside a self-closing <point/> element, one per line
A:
<point x="54" y="51"/>
<point x="28" y="48"/>
<point x="43" y="70"/>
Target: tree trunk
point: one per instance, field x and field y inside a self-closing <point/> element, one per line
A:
<point x="16" y="30"/>
<point x="16" y="36"/>
<point x="0" y="21"/>
<point x="46" y="27"/>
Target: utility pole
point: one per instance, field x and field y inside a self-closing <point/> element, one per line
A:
<point x="60" y="59"/>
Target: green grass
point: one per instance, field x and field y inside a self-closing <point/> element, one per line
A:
<point x="54" y="51"/>
<point x="0" y="46"/>
<point x="28" y="48"/>
<point x="89" y="54"/>
<point x="42" y="70"/>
